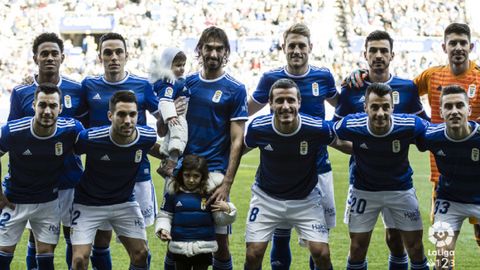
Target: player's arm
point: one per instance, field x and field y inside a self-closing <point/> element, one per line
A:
<point x="236" y="136"/>
<point x="342" y="146"/>
<point x="155" y="151"/>
<point x="333" y="100"/>
<point x="254" y="106"/>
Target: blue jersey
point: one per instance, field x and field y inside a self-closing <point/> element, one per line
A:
<point x="213" y="104"/>
<point x="192" y="218"/>
<point x="110" y="168"/>
<point x="287" y="161"/>
<point x="169" y="92"/>
<point x="316" y="85"/>
<point x="73" y="105"/>
<point x="381" y="160"/>
<point x="405" y="98"/>
<point x="36" y="163"/>
<point x="98" y="93"/>
<point x="458" y="162"/>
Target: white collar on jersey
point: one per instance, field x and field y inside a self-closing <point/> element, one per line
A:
<point x="40" y="137"/>
<point x="474" y="130"/>
<point x="36" y="83"/>
<point x="287" y="134"/>
<point x="127" y="74"/>
<point x="124" y="145"/>
<point x="383" y="135"/>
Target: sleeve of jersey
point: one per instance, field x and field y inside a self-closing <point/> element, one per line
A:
<point x="80" y="142"/>
<point x="329" y="133"/>
<point x="421" y="126"/>
<point x="249" y="140"/>
<point x="239" y="105"/>
<point x="82" y="110"/>
<point x="151" y="101"/>
<point x="15" y="107"/>
<point x="343" y="107"/>
<point x="341" y="130"/>
<point x="422" y="82"/>
<point x="331" y="89"/>
<point x="78" y="127"/>
<point x="260" y="95"/>
<point x="420" y="140"/>
<point x="85" y="115"/>
<point x="4" y="135"/>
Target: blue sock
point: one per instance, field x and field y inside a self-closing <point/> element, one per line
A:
<point x="133" y="267"/>
<point x="68" y="251"/>
<point x="398" y="263"/>
<point x="45" y="261"/>
<point x="169" y="262"/>
<point x="357" y="265"/>
<point x="30" y="258"/>
<point x="423" y="265"/>
<point x="5" y="260"/>
<point x="101" y="258"/>
<point x="280" y="255"/>
<point x="222" y="265"/>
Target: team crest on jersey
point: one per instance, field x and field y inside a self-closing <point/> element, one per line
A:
<point x="396" y="146"/>
<point x="138" y="156"/>
<point x="475" y="154"/>
<point x="169" y="92"/>
<point x="303" y="148"/>
<point x="217" y="96"/>
<point x="67" y="101"/>
<point x="472" y="88"/>
<point x="315" y="90"/>
<point x="396" y="97"/>
<point x="203" y="204"/>
<point x="58" y="149"/>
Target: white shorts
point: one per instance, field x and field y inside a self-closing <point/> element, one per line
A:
<point x="125" y="218"/>
<point x="65" y="200"/>
<point x="325" y="185"/>
<point x="365" y="206"/>
<point x="44" y="220"/>
<point x="388" y="221"/>
<point x="454" y="213"/>
<point x="267" y="213"/>
<point x="147" y="199"/>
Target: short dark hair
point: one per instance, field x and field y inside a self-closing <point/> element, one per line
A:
<point x="179" y="57"/>
<point x="213" y="33"/>
<point x="48" y="88"/>
<point x="46" y="37"/>
<point x="453" y="89"/>
<point x="379" y="89"/>
<point x="111" y="36"/>
<point x="457" y="28"/>
<point x="193" y="162"/>
<point x="299" y="29"/>
<point x="122" y="96"/>
<point x="379" y="35"/>
<point x="284" y="84"/>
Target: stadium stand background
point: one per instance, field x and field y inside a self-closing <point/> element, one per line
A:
<point x="254" y="27"/>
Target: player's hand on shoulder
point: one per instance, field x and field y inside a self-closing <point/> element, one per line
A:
<point x="356" y="78"/>
<point x="4" y="202"/>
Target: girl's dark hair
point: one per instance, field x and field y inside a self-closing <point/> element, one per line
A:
<point x="193" y="162"/>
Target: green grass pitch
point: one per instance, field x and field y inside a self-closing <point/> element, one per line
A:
<point x="466" y="253"/>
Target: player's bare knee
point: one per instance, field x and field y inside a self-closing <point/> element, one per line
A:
<point x="254" y="257"/>
<point x="43" y="248"/>
<point x="139" y="256"/>
<point x="9" y="249"/>
<point x="223" y="253"/>
<point x="79" y="261"/>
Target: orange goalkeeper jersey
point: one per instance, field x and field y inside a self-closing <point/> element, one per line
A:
<point x="431" y="82"/>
